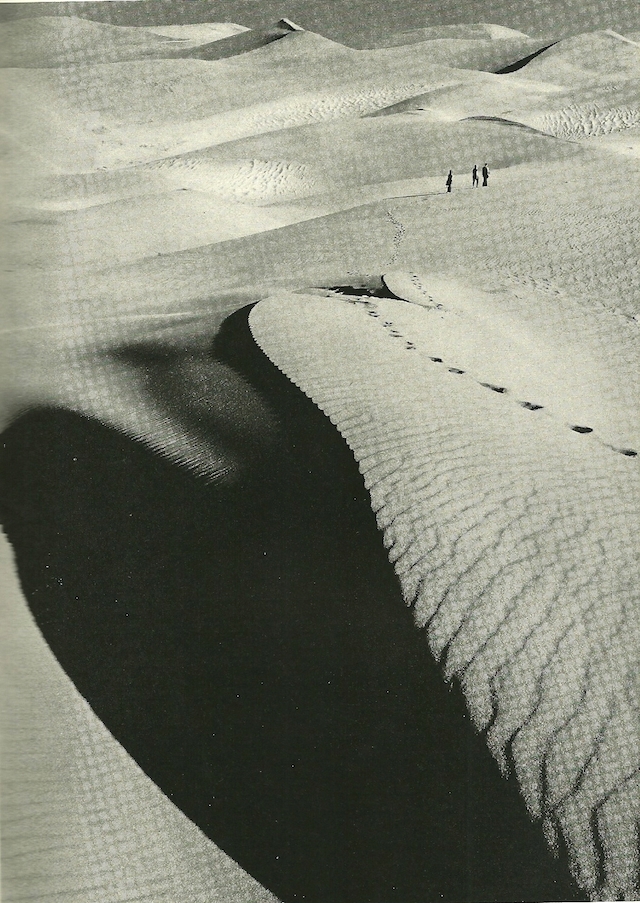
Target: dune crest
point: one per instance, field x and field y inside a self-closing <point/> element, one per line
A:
<point x="473" y="496"/>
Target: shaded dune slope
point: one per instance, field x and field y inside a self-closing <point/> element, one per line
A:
<point x="75" y="806"/>
<point x="502" y="555"/>
<point x="244" y="42"/>
<point x="319" y="664"/>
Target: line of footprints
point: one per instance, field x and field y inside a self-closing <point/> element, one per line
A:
<point x="369" y="305"/>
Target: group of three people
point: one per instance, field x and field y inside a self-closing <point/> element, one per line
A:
<point x="474" y="176"/>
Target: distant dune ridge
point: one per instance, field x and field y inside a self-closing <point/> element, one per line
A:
<point x="478" y="351"/>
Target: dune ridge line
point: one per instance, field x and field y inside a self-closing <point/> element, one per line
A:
<point x="493" y="528"/>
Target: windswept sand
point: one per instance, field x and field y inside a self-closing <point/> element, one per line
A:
<point x="159" y="182"/>
<point x="500" y="529"/>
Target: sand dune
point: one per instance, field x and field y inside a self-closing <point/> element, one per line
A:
<point x="585" y="58"/>
<point x="243" y="42"/>
<point x="52" y="42"/>
<point x="134" y="228"/>
<point x="480" y="32"/>
<point x="470" y="53"/>
<point x="485" y="94"/>
<point x="626" y="142"/>
<point x="542" y="636"/>
<point x="202" y="33"/>
<point x="152" y="194"/>
<point x="362" y="151"/>
<point x="67" y="41"/>
<point x="250" y="180"/>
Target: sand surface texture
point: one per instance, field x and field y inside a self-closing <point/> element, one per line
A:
<point x="516" y="559"/>
<point x="483" y="368"/>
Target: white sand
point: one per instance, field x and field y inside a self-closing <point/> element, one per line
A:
<point x="150" y="197"/>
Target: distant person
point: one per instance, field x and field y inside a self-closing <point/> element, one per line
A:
<point x="449" y="180"/>
<point x="475" y="181"/>
<point x="485" y="175"/>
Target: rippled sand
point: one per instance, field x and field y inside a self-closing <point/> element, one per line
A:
<point x="160" y="180"/>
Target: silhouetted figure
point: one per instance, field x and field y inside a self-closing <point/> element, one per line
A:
<point x="449" y="180"/>
<point x="475" y="181"/>
<point x="485" y="175"/>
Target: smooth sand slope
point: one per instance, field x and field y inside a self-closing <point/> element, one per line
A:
<point x="153" y="193"/>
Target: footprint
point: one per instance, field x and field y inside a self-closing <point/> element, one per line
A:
<point x="500" y="389"/>
<point x="530" y="406"/>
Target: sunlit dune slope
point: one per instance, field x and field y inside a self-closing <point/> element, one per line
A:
<point x="98" y="114"/>
<point x="502" y="523"/>
<point x="201" y="33"/>
<point x="53" y="42"/>
<point x="361" y="151"/>
<point x="67" y="41"/>
<point x="480" y="31"/>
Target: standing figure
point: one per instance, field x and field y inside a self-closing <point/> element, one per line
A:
<point x="449" y="180"/>
<point x="485" y="175"/>
<point x="475" y="181"/>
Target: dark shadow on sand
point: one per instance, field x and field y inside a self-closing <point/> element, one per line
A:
<point x="520" y="64"/>
<point x="249" y="646"/>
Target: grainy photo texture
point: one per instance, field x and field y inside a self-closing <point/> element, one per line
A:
<point x="319" y="482"/>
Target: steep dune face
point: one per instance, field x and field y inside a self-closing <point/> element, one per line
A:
<point x="64" y="850"/>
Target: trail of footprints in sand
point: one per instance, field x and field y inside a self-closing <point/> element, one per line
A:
<point x="367" y="302"/>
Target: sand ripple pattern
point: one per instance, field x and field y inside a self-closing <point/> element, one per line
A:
<point x="249" y="181"/>
<point x="512" y="538"/>
<point x="587" y="121"/>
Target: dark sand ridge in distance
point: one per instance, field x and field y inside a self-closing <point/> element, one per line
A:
<point x="70" y="41"/>
<point x="360" y="22"/>
<point x="187" y="92"/>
